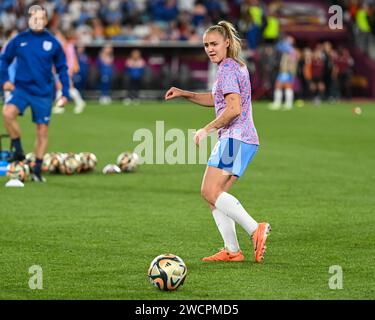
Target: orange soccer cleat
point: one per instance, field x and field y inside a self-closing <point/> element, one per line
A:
<point x="226" y="256"/>
<point x="259" y="240"/>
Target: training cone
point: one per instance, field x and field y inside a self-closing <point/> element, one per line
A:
<point x="14" y="183"/>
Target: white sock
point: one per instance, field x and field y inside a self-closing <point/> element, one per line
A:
<point x="233" y="209"/>
<point x="278" y="96"/>
<point x="289" y="95"/>
<point x="58" y="94"/>
<point x="227" y="229"/>
<point x="76" y="96"/>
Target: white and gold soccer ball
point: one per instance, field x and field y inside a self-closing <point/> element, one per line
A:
<point x="57" y="159"/>
<point x="18" y="171"/>
<point x="111" y="169"/>
<point x="72" y="164"/>
<point x="30" y="159"/>
<point x="88" y="160"/>
<point x="46" y="165"/>
<point x="167" y="272"/>
<point x="128" y="161"/>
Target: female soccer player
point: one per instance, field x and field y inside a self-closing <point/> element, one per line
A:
<point x="237" y="145"/>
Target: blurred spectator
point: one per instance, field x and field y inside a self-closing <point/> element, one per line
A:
<point x="272" y="29"/>
<point x="317" y="67"/>
<point x="164" y="10"/>
<point x="363" y="25"/>
<point x="371" y="17"/>
<point x="268" y="67"/>
<point x="199" y="14"/>
<point x="253" y="17"/>
<point x="98" y="31"/>
<point x="186" y="5"/>
<point x="305" y="72"/>
<point x="105" y="65"/>
<point x="353" y="7"/>
<point x="285" y="78"/>
<point x="217" y="9"/>
<point x="67" y="41"/>
<point x="344" y="64"/>
<point x="135" y="70"/>
<point x="113" y="31"/>
<point x="80" y="77"/>
<point x="8" y="18"/>
<point x="328" y="67"/>
<point x="361" y="19"/>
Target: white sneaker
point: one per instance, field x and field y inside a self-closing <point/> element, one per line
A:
<point x="273" y="106"/>
<point x="58" y="110"/>
<point x="317" y="101"/>
<point x="105" y="100"/>
<point x="38" y="178"/>
<point x="287" y="107"/>
<point x="79" y="107"/>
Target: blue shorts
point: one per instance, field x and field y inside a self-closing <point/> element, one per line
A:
<point x="285" y="77"/>
<point x="40" y="106"/>
<point x="232" y="155"/>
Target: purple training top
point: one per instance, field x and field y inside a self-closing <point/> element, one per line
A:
<point x="231" y="77"/>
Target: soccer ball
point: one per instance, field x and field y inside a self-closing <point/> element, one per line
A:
<point x="128" y="161"/>
<point x="88" y="160"/>
<point x="111" y="168"/>
<point x="30" y="159"/>
<point x="72" y="164"/>
<point x="18" y="170"/>
<point x="55" y="162"/>
<point x="167" y="272"/>
<point x="46" y="166"/>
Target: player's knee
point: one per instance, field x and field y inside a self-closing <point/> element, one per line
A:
<point x="210" y="194"/>
<point x="9" y="113"/>
<point x="42" y="133"/>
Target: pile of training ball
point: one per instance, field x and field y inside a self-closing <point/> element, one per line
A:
<point x="54" y="162"/>
<point x="126" y="162"/>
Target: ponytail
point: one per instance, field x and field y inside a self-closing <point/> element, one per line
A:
<point x="228" y="31"/>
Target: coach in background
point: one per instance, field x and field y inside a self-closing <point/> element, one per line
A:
<point x="36" y="51"/>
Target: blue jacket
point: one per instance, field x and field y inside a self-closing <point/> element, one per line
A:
<point x="36" y="54"/>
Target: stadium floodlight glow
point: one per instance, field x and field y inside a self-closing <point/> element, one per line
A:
<point x="37" y="18"/>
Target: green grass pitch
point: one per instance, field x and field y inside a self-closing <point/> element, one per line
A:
<point x="94" y="236"/>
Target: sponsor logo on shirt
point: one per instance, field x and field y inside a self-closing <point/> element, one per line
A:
<point x="23" y="44"/>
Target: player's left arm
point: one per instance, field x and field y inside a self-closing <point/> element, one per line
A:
<point x="62" y="70"/>
<point x="231" y="112"/>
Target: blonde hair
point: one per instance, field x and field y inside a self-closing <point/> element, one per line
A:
<point x="228" y="31"/>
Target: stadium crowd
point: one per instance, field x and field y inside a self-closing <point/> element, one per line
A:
<point x="321" y="71"/>
<point x="156" y="20"/>
<point x="125" y="20"/>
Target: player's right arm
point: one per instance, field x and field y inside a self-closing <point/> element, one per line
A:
<point x="205" y="99"/>
<point x="6" y="58"/>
